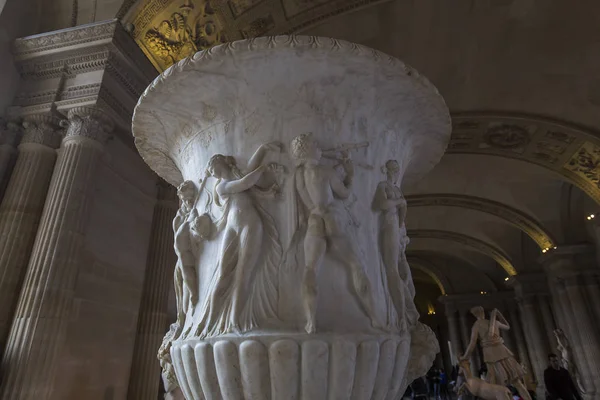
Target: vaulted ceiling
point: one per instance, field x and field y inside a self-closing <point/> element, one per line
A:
<point x="520" y="77"/>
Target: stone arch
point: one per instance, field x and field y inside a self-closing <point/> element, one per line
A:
<point x="427" y="267"/>
<point x="517" y="218"/>
<point x="478" y="245"/>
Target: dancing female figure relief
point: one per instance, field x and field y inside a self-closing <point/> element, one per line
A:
<point x="242" y="294"/>
<point x="317" y="186"/>
<point x="393" y="241"/>
<point x="186" y="281"/>
<point x="503" y="368"/>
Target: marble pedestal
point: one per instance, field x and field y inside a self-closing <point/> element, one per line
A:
<point x="289" y="154"/>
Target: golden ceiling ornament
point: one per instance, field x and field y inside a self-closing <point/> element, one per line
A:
<point x="170" y="30"/>
<point x="178" y="30"/>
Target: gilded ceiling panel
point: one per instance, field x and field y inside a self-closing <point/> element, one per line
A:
<point x="570" y="151"/>
<point x="171" y="30"/>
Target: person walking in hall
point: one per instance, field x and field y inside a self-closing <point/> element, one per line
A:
<point x="559" y="383"/>
<point x="444" y="394"/>
<point x="436" y="383"/>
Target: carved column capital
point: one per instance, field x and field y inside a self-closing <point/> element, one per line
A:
<point x="10" y="132"/>
<point x="89" y="123"/>
<point x="42" y="129"/>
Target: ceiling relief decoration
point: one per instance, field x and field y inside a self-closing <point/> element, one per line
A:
<point x="570" y="151"/>
<point x="171" y="30"/>
<point x="480" y="246"/>
<point x="513" y="216"/>
<point x="584" y="163"/>
<point x="179" y="30"/>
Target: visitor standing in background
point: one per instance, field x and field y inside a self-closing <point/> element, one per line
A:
<point x="436" y="383"/>
<point x="559" y="383"/>
<point x="444" y="385"/>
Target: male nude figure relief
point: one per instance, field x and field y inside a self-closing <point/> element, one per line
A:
<point x="320" y="188"/>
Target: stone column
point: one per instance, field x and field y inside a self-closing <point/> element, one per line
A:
<point x="536" y="341"/>
<point x="44" y="306"/>
<point x="465" y="331"/>
<point x="152" y="320"/>
<point x="548" y="320"/>
<point x="21" y="209"/>
<point x="508" y="336"/>
<point x="592" y="287"/>
<point x="585" y="327"/>
<point x="574" y="336"/>
<point x="521" y="347"/>
<point x="457" y="349"/>
<point x="9" y="135"/>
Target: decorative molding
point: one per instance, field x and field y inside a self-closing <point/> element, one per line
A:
<point x="480" y="246"/>
<point x="570" y="151"/>
<point x="44" y="42"/>
<point x="517" y="218"/>
<point x="54" y="60"/>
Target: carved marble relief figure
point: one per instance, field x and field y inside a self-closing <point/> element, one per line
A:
<point x="393" y="241"/>
<point x="319" y="188"/>
<point x="242" y="294"/>
<point x="503" y="368"/>
<point x="185" y="279"/>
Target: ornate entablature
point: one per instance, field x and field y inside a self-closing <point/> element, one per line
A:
<point x="171" y="30"/>
<point x="570" y="151"/>
<point x="91" y="65"/>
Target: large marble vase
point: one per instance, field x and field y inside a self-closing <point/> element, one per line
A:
<point x="289" y="153"/>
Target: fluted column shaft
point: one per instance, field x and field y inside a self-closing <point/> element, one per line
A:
<point x="508" y="336"/>
<point x="535" y="342"/>
<point x="465" y="331"/>
<point x="43" y="310"/>
<point x="592" y="286"/>
<point x="585" y="327"/>
<point x="572" y="329"/>
<point x="21" y="210"/>
<point x="548" y="320"/>
<point x="515" y="326"/>
<point x="457" y="349"/>
<point x="152" y="320"/>
<point x="8" y="139"/>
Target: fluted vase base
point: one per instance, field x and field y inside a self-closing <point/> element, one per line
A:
<point x="301" y="366"/>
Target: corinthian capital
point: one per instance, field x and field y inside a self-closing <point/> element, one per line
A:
<point x="9" y="133"/>
<point x="88" y="122"/>
<point x="42" y="129"/>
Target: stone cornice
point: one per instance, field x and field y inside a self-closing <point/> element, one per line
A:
<point x="117" y="72"/>
<point x="567" y="252"/>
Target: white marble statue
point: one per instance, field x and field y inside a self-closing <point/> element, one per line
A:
<point x="502" y="367"/>
<point x="310" y="322"/>
<point x="243" y="290"/>
<point x="393" y="241"/>
<point x="480" y="388"/>
<point x="567" y="360"/>
<point x="319" y="188"/>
